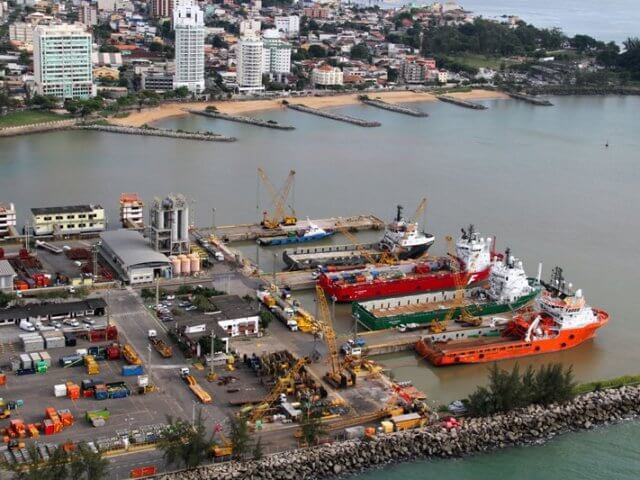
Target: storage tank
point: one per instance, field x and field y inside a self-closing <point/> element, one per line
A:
<point x="176" y="264"/>
<point x="195" y="262"/>
<point x="186" y="264"/>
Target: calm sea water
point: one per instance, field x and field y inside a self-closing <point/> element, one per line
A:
<point x="540" y="179"/>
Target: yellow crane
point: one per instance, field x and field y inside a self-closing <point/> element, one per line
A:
<point x="279" y="199"/>
<point x="384" y="258"/>
<point x="280" y="387"/>
<point x="459" y="303"/>
<point x="223" y="447"/>
<point x="338" y="376"/>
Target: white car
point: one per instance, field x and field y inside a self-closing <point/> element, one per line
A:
<point x="27" y="326"/>
<point x="170" y="297"/>
<point x="71" y="322"/>
<point x="88" y="321"/>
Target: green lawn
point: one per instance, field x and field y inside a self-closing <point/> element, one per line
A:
<point x="478" y="61"/>
<point x="28" y="117"/>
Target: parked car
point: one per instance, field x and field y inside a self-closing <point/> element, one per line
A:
<point x="72" y="322"/>
<point x="88" y="321"/>
<point x="27" y="326"/>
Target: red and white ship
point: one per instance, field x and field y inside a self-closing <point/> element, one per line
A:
<point x="561" y="321"/>
<point x="473" y="255"/>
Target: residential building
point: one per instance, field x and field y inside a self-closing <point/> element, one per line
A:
<point x="7" y="219"/>
<point x="161" y="8"/>
<point x="156" y="80"/>
<point x="130" y="255"/>
<point x="88" y="14"/>
<point x="7" y="275"/>
<point x="289" y="25"/>
<point x="249" y="25"/>
<point x="188" y="22"/>
<point x="62" y="61"/>
<point x="317" y="11"/>
<point x="131" y="210"/>
<point x="326" y="75"/>
<point x="68" y="220"/>
<point x="114" y="5"/>
<point x="413" y="72"/>
<point x="21" y="32"/>
<point x="276" y="53"/>
<point x="249" y="58"/>
<point x="443" y="76"/>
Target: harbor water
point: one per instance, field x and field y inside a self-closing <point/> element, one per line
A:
<point x="539" y="178"/>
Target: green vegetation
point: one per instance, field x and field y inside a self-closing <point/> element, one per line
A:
<point x="5" y="298"/>
<point x="29" y="117"/>
<point x="510" y="390"/>
<point x="477" y="61"/>
<point x="183" y="444"/>
<point x="266" y="317"/>
<point x="239" y="436"/>
<point x="311" y="425"/>
<point x="603" y="384"/>
<point x="82" y="463"/>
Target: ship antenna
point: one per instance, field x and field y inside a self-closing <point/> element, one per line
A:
<point x="507" y="254"/>
<point x="399" y="214"/>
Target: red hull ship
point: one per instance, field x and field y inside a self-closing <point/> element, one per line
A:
<point x="563" y="321"/>
<point x="473" y="256"/>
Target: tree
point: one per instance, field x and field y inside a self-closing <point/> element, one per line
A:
<point x="24" y="58"/>
<point x="31" y="470"/>
<point x="317" y="51"/>
<point x="239" y="436"/>
<point x="258" y="450"/>
<point x="88" y="463"/>
<point x="108" y="48"/>
<point x="266" y="317"/>
<point x="311" y="425"/>
<point x="156" y="47"/>
<point x="360" y="51"/>
<point x="184" y="444"/>
<point x="182" y="92"/>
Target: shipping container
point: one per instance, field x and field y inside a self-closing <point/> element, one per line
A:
<point x="131" y="370"/>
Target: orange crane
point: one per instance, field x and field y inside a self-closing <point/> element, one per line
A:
<point x="459" y="303"/>
<point x="339" y="376"/>
<point x="279" y="199"/>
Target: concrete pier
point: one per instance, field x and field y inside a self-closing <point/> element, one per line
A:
<point x="392" y="107"/>
<point x="333" y="116"/>
<point x="240" y="119"/>
<point x="237" y="233"/>
<point x="533" y="100"/>
<point x="461" y="103"/>
<point x="157" y="132"/>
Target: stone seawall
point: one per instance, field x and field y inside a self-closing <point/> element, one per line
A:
<point x="520" y="427"/>
<point x="37" y="128"/>
<point x="157" y="132"/>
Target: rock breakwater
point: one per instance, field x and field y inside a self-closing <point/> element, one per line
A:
<point x="157" y="132"/>
<point x="520" y="427"/>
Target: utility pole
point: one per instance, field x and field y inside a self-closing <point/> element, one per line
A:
<point x="274" y="267"/>
<point x="213" y="218"/>
<point x="157" y="290"/>
<point x="212" y="373"/>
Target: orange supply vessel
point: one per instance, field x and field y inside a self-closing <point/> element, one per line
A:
<point x="562" y="320"/>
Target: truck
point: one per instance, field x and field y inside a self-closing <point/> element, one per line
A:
<point x="191" y="382"/>
<point x="161" y="347"/>
<point x="130" y="355"/>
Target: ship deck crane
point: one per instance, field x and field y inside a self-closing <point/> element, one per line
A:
<point x="459" y="303"/>
<point x="279" y="199"/>
<point x="419" y="210"/>
<point x="339" y="376"/>
<point x="384" y="258"/>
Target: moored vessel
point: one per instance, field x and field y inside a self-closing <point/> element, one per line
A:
<point x="562" y="320"/>
<point x="473" y="260"/>
<point x="312" y="233"/>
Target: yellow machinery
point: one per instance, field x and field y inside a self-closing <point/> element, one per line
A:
<point x="281" y="386"/>
<point x="338" y="376"/>
<point x="459" y="303"/>
<point x="196" y="389"/>
<point x="223" y="447"/>
<point x="279" y="199"/>
<point x="385" y="258"/>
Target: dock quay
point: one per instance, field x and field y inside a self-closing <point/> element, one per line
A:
<point x="333" y="116"/>
<point x="461" y="103"/>
<point x="312" y="257"/>
<point x="240" y="119"/>
<point x="532" y="99"/>
<point x="237" y="233"/>
<point x="392" y="107"/>
<point x="299" y="280"/>
<point x="157" y="132"/>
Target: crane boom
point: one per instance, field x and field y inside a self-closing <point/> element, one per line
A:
<point x="279" y="200"/>
<point x="328" y="331"/>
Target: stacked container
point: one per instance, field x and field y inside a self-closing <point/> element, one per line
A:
<point x="32" y="342"/>
<point x="92" y="365"/>
<point x="73" y="391"/>
<point x="46" y="358"/>
<point x="66" y="417"/>
<point x="101" y="392"/>
<point x="25" y="361"/>
<point x="54" y="339"/>
<point x="60" y="390"/>
<point x="53" y="418"/>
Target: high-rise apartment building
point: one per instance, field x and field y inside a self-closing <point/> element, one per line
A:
<point x="161" y="8"/>
<point x="276" y="53"/>
<point x="88" y="14"/>
<point x="62" y="61"/>
<point x="289" y="25"/>
<point x="249" y="58"/>
<point x="188" y="23"/>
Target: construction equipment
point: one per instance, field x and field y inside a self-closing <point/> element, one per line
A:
<point x="223" y="447"/>
<point x="384" y="258"/>
<point x="279" y="199"/>
<point x="130" y="355"/>
<point x="281" y="386"/>
<point x="161" y="347"/>
<point x="458" y="304"/>
<point x="339" y="376"/>
<point x="197" y="390"/>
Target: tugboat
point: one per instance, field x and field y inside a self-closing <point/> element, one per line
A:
<point x="312" y="233"/>
<point x="562" y="320"/>
<point x="508" y="289"/>
<point x="403" y="239"/>
<point x="473" y="258"/>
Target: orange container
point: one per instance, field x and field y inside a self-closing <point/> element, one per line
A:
<point x="73" y="391"/>
<point x="3" y="379"/>
<point x="50" y="412"/>
<point x="57" y="426"/>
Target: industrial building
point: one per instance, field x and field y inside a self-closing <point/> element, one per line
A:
<point x="169" y="225"/>
<point x="68" y="220"/>
<point x="7" y="219"/>
<point x="129" y="254"/>
<point x="236" y="316"/>
<point x="7" y="275"/>
<point x="53" y="311"/>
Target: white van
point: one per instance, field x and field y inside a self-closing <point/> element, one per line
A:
<point x="27" y="326"/>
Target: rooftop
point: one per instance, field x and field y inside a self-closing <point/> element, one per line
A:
<point x="131" y="248"/>
<point x="67" y="209"/>
<point x="42" y="309"/>
<point x="6" y="269"/>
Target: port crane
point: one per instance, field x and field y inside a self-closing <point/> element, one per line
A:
<point x="279" y="199"/>
<point x="458" y="304"/>
<point x="338" y="376"/>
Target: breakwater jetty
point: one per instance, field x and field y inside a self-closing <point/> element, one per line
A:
<point x="461" y="103"/>
<point x="392" y="107"/>
<point x="533" y="100"/>
<point x="240" y="119"/>
<point x="37" y="128"/>
<point x="525" y="426"/>
<point x="157" y="132"/>
<point x="333" y="116"/>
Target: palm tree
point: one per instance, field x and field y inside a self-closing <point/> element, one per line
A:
<point x="183" y="443"/>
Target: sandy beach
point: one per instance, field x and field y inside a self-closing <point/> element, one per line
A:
<point x="168" y="110"/>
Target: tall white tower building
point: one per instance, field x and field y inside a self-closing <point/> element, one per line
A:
<point x="249" y="59"/>
<point x="188" y="23"/>
<point x="276" y="53"/>
<point x="62" y="61"/>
